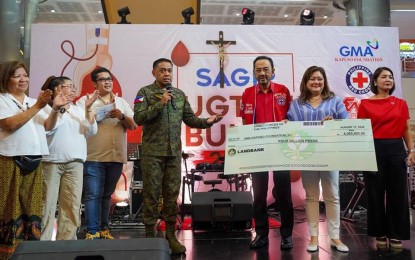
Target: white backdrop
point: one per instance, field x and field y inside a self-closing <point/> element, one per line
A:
<point x="349" y="55"/>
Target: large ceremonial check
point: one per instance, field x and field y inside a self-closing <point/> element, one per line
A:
<point x="345" y="145"/>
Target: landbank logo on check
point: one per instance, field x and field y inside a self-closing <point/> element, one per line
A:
<point x="232" y="152"/>
<point x="298" y="146"/>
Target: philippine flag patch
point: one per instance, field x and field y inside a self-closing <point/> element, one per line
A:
<point x="138" y="99"/>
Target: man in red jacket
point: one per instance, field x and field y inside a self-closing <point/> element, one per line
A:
<point x="262" y="103"/>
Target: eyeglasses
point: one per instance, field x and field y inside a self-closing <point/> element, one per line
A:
<point x="70" y="87"/>
<point x="104" y="79"/>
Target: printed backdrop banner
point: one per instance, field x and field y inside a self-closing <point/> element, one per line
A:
<point x="213" y="64"/>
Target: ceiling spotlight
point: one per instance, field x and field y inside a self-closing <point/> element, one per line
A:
<point x="307" y="17"/>
<point x="123" y="12"/>
<point x="248" y="16"/>
<point x="340" y="4"/>
<point x="187" y="13"/>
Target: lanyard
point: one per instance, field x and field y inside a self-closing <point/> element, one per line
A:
<point x="19" y="106"/>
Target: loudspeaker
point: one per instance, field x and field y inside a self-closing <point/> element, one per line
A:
<point x="346" y="192"/>
<point x="137" y="173"/>
<point x="136" y="199"/>
<point x="125" y="249"/>
<point x="222" y="209"/>
<point x="136" y="189"/>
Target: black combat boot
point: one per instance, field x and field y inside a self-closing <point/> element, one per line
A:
<point x="150" y="231"/>
<point x="175" y="246"/>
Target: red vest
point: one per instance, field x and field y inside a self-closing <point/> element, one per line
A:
<point x="282" y="100"/>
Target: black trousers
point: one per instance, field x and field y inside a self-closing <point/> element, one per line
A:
<point x="282" y="183"/>
<point x="387" y="192"/>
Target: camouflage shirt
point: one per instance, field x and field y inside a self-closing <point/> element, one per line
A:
<point x="162" y="124"/>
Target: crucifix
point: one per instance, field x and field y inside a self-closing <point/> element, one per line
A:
<point x="221" y="45"/>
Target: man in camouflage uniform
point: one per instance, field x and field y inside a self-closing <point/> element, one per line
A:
<point x="161" y="112"/>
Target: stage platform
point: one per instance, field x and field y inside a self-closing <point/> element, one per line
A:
<point x="234" y="244"/>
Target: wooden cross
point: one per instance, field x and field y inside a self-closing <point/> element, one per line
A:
<point x="221" y="45"/>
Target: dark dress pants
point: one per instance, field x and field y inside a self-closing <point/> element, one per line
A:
<point x="387" y="192"/>
<point x="282" y="184"/>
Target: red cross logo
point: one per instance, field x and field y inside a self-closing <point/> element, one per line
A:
<point x="360" y="80"/>
<point x="357" y="79"/>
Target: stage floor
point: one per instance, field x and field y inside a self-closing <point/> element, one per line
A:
<point x="229" y="244"/>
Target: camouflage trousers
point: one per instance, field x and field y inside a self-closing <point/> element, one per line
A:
<point x="161" y="177"/>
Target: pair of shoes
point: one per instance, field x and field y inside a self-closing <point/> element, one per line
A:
<point x="287" y="242"/>
<point x="395" y="243"/>
<point x="259" y="241"/>
<point x="105" y="233"/>
<point x="382" y="242"/>
<point x="90" y="236"/>
<point x="339" y="247"/>
<point x="312" y="247"/>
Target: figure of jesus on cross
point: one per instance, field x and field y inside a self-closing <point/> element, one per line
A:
<point x="221" y="45"/>
<point x="222" y="53"/>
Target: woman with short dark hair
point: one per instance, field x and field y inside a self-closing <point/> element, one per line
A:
<point x="387" y="189"/>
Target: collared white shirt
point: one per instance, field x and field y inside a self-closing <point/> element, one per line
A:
<point x="30" y="139"/>
<point x="67" y="140"/>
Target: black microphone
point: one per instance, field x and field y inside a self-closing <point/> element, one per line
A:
<point x="169" y="88"/>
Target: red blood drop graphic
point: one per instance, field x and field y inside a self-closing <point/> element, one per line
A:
<point x="180" y="55"/>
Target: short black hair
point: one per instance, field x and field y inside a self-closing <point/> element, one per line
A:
<point x="98" y="70"/>
<point x="158" y="61"/>
<point x="373" y="87"/>
<point x="264" y="58"/>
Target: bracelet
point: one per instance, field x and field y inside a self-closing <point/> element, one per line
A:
<point x="411" y="150"/>
<point x="89" y="110"/>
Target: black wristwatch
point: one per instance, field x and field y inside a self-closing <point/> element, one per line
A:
<point x="60" y="110"/>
